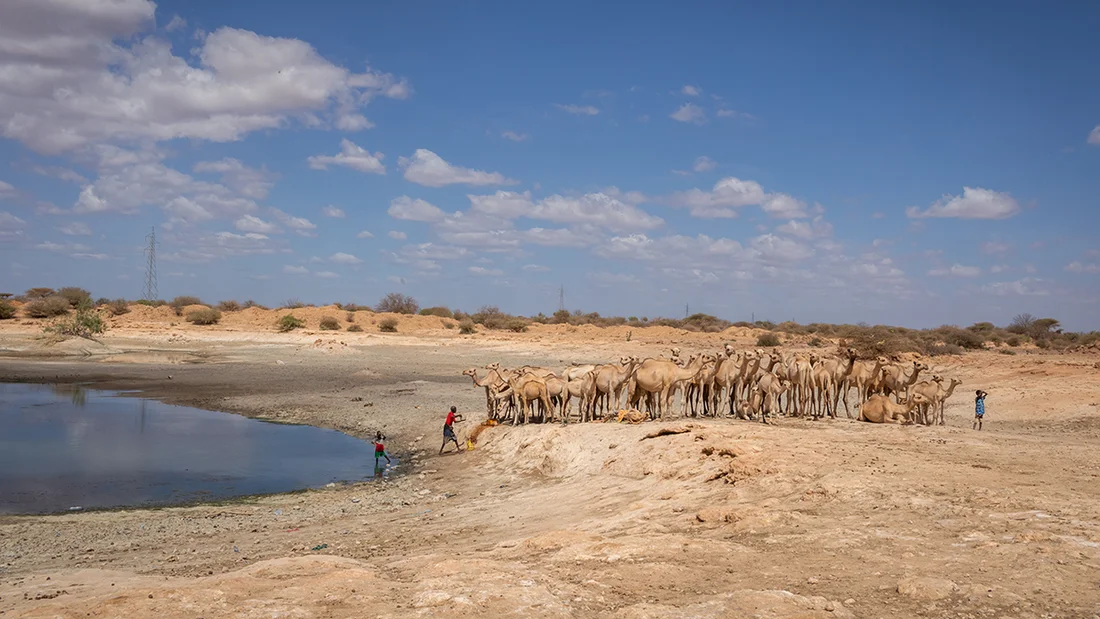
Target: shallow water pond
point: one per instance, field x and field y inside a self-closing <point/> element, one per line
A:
<point x="64" y="447"/>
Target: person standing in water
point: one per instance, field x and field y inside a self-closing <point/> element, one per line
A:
<point x="979" y="409"/>
<point x="380" y="450"/>
<point x="449" y="431"/>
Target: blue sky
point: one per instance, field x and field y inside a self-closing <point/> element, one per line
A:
<point x="834" y="162"/>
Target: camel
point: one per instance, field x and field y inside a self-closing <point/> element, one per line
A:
<point x="583" y="389"/>
<point x="894" y="383"/>
<point x="530" y="388"/>
<point x="771" y="387"/>
<point x="577" y="372"/>
<point x="928" y="389"/>
<point x="863" y="378"/>
<point x="492" y="384"/>
<point x="659" y="377"/>
<point x="555" y="389"/>
<point x="804" y="382"/>
<point x="937" y="395"/>
<point x="610" y="379"/>
<point x="839" y="373"/>
<point x="880" y="409"/>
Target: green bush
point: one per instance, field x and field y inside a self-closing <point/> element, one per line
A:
<point x="7" y="310"/>
<point x="204" y="316"/>
<point x="388" y="325"/>
<point x="768" y="339"/>
<point x="47" y="307"/>
<point x="181" y="302"/>
<point x="75" y="296"/>
<point x="118" y="307"/>
<point x="289" y="323"/>
<point x="85" y="322"/>
<point x="442" y="312"/>
<point x="229" y="306"/>
<point x="397" y="303"/>
<point x="466" y="327"/>
<point x="329" y="323"/>
<point x="355" y="329"/>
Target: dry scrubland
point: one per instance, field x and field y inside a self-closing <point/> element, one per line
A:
<point x="688" y="518"/>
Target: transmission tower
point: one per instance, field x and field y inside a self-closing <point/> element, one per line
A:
<point x="561" y="299"/>
<point x="151" y="293"/>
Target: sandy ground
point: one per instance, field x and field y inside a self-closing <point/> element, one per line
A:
<point x="716" y="518"/>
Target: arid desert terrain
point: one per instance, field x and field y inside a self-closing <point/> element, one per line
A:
<point x="682" y="518"/>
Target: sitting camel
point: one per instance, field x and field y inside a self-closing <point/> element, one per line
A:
<point x="880" y="409"/>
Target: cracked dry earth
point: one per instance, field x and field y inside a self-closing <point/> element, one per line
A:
<point x="681" y="519"/>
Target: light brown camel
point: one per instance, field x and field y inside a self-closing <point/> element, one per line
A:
<point x="583" y="389"/>
<point x="575" y="372"/>
<point x="880" y="409"/>
<point x="927" y="389"/>
<point x="771" y="387"/>
<point x="658" y="377"/>
<point x="610" y="379"/>
<point x="894" y="381"/>
<point x="839" y="370"/>
<point x="864" y="378"/>
<point x="530" y="388"/>
<point x="492" y="383"/>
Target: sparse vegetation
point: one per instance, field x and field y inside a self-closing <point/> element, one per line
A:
<point x="289" y="322"/>
<point x="350" y="316"/>
<point x="118" y="307"/>
<point x="516" y="325"/>
<point x="397" y="303"/>
<point x="388" y="325"/>
<point x="204" y="316"/>
<point x="38" y="293"/>
<point x="229" y="306"/>
<point x="355" y="329"/>
<point x="442" y="312"/>
<point x="250" y="304"/>
<point x="467" y="327"/>
<point x="1007" y="351"/>
<point x="768" y="339"/>
<point x="75" y="296"/>
<point x="47" y="307"/>
<point x="181" y="302"/>
<point x="448" y="325"/>
<point x="292" y="303"/>
<point x="817" y="342"/>
<point x="85" y="322"/>
<point x="329" y="323"/>
<point x="156" y="303"/>
<point x="7" y="310"/>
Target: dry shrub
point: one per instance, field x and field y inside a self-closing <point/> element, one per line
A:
<point x="118" y="307"/>
<point x="7" y="310"/>
<point x="516" y="325"/>
<point x="490" y="317"/>
<point x="250" y="304"/>
<point x="817" y="342"/>
<point x="388" y="325"/>
<point x="397" y="303"/>
<point x="181" y="302"/>
<point x="442" y="312"/>
<point x="75" y="296"/>
<point x="355" y="329"/>
<point x="229" y="306"/>
<point x="768" y="339"/>
<point x="448" y="325"/>
<point x="963" y="338"/>
<point x="704" y="323"/>
<point x="289" y="323"/>
<point x="329" y="323"/>
<point x="350" y="316"/>
<point x="47" y="307"/>
<point x="204" y="316"/>
<point x="467" y="327"/>
<point x="38" y="293"/>
<point x="937" y="350"/>
<point x="293" y="303"/>
<point x="151" y="303"/>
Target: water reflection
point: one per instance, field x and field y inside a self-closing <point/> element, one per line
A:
<point x="62" y="446"/>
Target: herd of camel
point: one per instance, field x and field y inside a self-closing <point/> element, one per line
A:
<point x="744" y="384"/>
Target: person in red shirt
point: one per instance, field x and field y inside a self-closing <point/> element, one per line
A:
<point x="380" y="449"/>
<point x="448" y="431"/>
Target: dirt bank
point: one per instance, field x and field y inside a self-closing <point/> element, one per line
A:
<point x="718" y="518"/>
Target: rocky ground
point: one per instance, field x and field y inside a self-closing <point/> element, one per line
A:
<point x="687" y="518"/>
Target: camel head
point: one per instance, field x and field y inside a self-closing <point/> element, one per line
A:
<point x="493" y="366"/>
<point x="675" y="352"/>
<point x="729" y="349"/>
<point x="936" y="378"/>
<point x="472" y="372"/>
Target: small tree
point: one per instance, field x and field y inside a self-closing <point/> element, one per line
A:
<point x="388" y="325"/>
<point x="7" y="310"/>
<point x="467" y="327"/>
<point x="38" y="293"/>
<point x="397" y="303"/>
<point x="47" y="307"/>
<point x="75" y="296"/>
<point x="229" y="306"/>
<point x="289" y="323"/>
<point x="118" y="307"/>
<point x="204" y="316"/>
<point x="768" y="339"/>
<point x="179" y="303"/>
<point x="329" y="323"/>
<point x="1021" y="324"/>
<point x="86" y="322"/>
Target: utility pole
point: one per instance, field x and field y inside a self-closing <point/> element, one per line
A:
<point x="687" y="310"/>
<point x="561" y="299"/>
<point x="150" y="293"/>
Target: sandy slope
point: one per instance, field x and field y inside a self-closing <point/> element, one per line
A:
<point x="722" y="518"/>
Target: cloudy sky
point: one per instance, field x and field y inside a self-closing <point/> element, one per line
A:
<point x="817" y="161"/>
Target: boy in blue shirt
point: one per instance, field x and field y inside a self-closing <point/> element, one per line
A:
<point x="979" y="409"/>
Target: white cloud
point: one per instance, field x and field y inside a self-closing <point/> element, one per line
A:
<point x="251" y="223"/>
<point x="604" y="278"/>
<point x="300" y="225"/>
<point x="690" y="113"/>
<point x="578" y="110"/>
<point x="365" y="234"/>
<point x="1078" y="267"/>
<point x="342" y="258"/>
<point x="691" y="91"/>
<point x="770" y="248"/>
<point x="704" y="164"/>
<point x="75" y="228"/>
<point x="1094" y="135"/>
<point x="410" y="209"/>
<point x="396" y="234"/>
<point x="819" y="228"/>
<point x="956" y="270"/>
<point x="630" y="197"/>
<point x="727" y="194"/>
<point x="249" y="182"/>
<point x="60" y="173"/>
<point x="6" y="190"/>
<point x="11" y="227"/>
<point x="176" y="23"/>
<point x="332" y="211"/>
<point x="728" y="113"/>
<point x="783" y="206"/>
<point x="295" y="270"/>
<point x="998" y="268"/>
<point x="1028" y="287"/>
<point x="594" y="208"/>
<point x="485" y="272"/>
<point x="992" y="247"/>
<point x="974" y="203"/>
<point x="515" y="137"/>
<point x="352" y="156"/>
<point x="535" y="268"/>
<point x="429" y="169"/>
<point x="326" y="275"/>
<point x="68" y="83"/>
